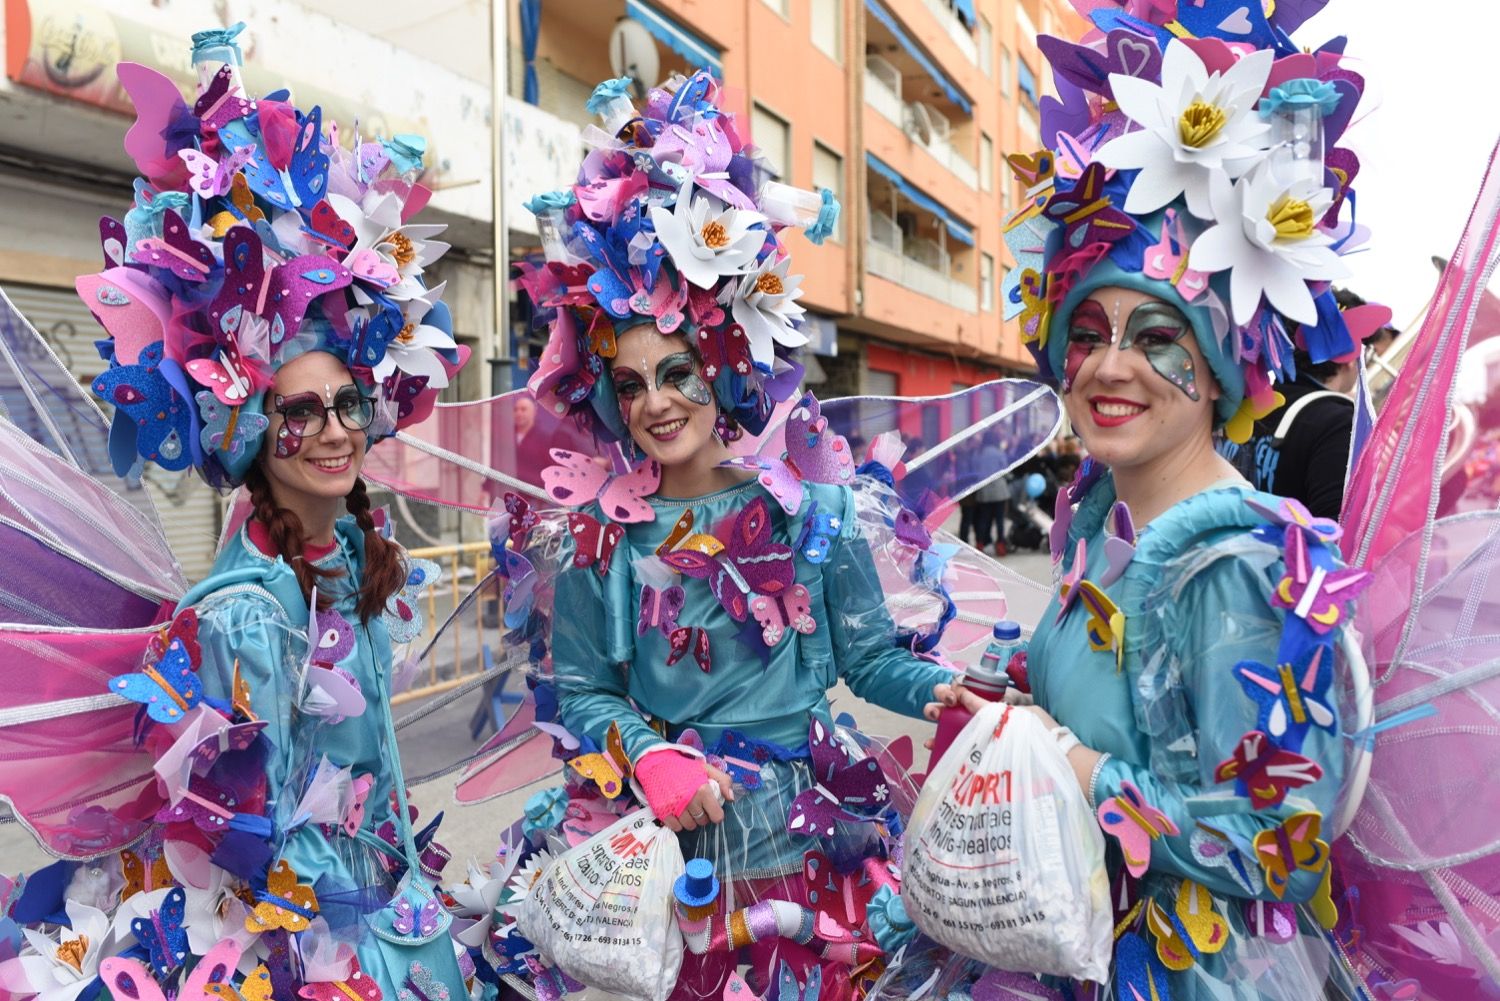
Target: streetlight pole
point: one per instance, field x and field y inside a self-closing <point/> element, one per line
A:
<point x="500" y="359"/>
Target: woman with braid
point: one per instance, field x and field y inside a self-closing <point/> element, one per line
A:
<point x="267" y="330"/>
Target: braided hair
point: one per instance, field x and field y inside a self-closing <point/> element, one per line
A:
<point x="384" y="570"/>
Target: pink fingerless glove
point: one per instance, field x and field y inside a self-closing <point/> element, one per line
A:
<point x="669" y="779"/>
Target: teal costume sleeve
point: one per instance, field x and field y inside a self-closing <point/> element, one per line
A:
<point x="861" y="630"/>
<point x="1217" y="619"/>
<point x="591" y="650"/>
<point x="241" y="626"/>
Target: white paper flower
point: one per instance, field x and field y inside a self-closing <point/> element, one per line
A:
<point x="705" y="239"/>
<point x="1193" y="126"/>
<point x="385" y="247"/>
<point x="522" y="882"/>
<point x="214" y="913"/>
<point x="59" y="971"/>
<point x="1268" y="241"/>
<point x="764" y="303"/>
<point x="414" y="348"/>
<point x="476" y="900"/>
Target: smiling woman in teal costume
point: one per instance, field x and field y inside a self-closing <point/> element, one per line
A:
<point x="1194" y="644"/>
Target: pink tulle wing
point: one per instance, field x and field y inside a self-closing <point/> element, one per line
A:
<point x="69" y="765"/>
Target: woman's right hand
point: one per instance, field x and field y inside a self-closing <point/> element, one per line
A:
<point x="706" y="806"/>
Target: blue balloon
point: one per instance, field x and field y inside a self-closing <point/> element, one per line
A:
<point x="1035" y="484"/>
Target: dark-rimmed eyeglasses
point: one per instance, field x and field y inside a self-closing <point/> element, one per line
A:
<point x="306" y="415"/>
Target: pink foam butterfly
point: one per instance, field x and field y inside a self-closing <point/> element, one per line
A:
<point x="359" y="791"/>
<point x="660" y="608"/>
<point x="749" y="562"/>
<point x="219" y="105"/>
<point x="209" y="177"/>
<point x="577" y="479"/>
<point x="722" y="350"/>
<point x="175" y="250"/>
<point x="844" y="789"/>
<point x="1135" y="823"/>
<point x="1265" y="772"/>
<point x="842" y="897"/>
<point x="357" y="986"/>
<point x="685" y="638"/>
<point x="372" y="269"/>
<point x="1167" y="260"/>
<point x="130" y="980"/>
<point x="736" y="989"/>
<point x="813" y="453"/>
<point x="1274" y="920"/>
<point x="158" y="105"/>
<point x="790" y="610"/>
<point x="594" y="542"/>
<point x="423" y="920"/>
<point x="1119" y="543"/>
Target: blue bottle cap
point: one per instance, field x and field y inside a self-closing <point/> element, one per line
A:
<point x="1005" y="629"/>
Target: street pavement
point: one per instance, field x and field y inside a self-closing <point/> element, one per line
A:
<point x="474" y="831"/>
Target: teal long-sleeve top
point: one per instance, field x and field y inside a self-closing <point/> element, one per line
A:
<point x="607" y="670"/>
<point x="250" y="614"/>
<point x="1195" y="599"/>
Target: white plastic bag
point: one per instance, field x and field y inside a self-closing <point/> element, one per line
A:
<point x="1004" y="861"/>
<point x="602" y="912"/>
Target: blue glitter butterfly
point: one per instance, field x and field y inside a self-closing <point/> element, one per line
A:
<point x="818" y="532"/>
<point x="404" y="617"/>
<point x="422" y="985"/>
<point x="157" y="421"/>
<point x="227" y="429"/>
<point x="169" y="689"/>
<point x="163" y="934"/>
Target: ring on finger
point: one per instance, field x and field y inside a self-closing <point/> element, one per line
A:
<point x="698" y="815"/>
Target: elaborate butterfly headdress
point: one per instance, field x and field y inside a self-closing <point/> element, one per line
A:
<point x="1193" y="155"/>
<point x="256" y="237"/>
<point x="674" y="222"/>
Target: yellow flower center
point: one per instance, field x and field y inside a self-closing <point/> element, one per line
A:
<point x="72" y="951"/>
<point x="715" y="236"/>
<point x="1200" y="123"/>
<point x="405" y="334"/>
<point x="769" y="284"/>
<point x="401" y="249"/>
<point x="1292" y="217"/>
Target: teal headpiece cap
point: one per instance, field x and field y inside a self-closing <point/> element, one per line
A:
<point x="1108" y="274"/>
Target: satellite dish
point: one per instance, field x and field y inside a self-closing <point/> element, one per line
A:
<point x="919" y="123"/>
<point x="632" y="53"/>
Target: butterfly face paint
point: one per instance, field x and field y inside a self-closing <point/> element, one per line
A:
<point x="296" y="414"/>
<point x="676" y="371"/>
<point x="1156" y="327"/>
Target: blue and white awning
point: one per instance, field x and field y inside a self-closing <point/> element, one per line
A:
<point x="675" y="36"/>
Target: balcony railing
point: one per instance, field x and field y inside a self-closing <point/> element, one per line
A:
<point x="880" y="95"/>
<point x="890" y="263"/>
<point x="955" y="28"/>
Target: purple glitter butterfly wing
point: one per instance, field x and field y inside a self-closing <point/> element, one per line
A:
<point x="858" y="789"/>
<point x="776" y="476"/>
<point x="813" y="449"/>
<point x="294" y="286"/>
<point x="175" y="250"/>
<point x="765" y="565"/>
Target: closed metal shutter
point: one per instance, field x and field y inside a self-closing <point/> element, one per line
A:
<point x="188" y="508"/>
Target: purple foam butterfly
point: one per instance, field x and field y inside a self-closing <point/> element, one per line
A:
<point x="1275" y="920"/>
<point x="660" y="608"/>
<point x="1002" y="985"/>
<point x="813" y="453"/>
<point x="1086" y="213"/>
<point x="333" y="637"/>
<point x="205" y="804"/>
<point x="175" y="250"/>
<point x="218" y="105"/>
<point x="1068" y="589"/>
<point x="550" y="983"/>
<point x="425" y="921"/>
<point x="844" y="789"/>
<point x="1119" y="543"/>
<point x="749" y="563"/>
<point x="1293" y="512"/>
<point x="231" y="737"/>
<point x="280" y="294"/>
<point x="1316" y="594"/>
<point x="1125" y="52"/>
<point x="691" y="638"/>
<point x="1062" y="520"/>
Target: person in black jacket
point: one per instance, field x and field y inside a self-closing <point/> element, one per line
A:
<point x="1301" y="449"/>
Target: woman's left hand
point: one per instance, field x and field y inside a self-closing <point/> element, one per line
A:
<point x="1080" y="758"/>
